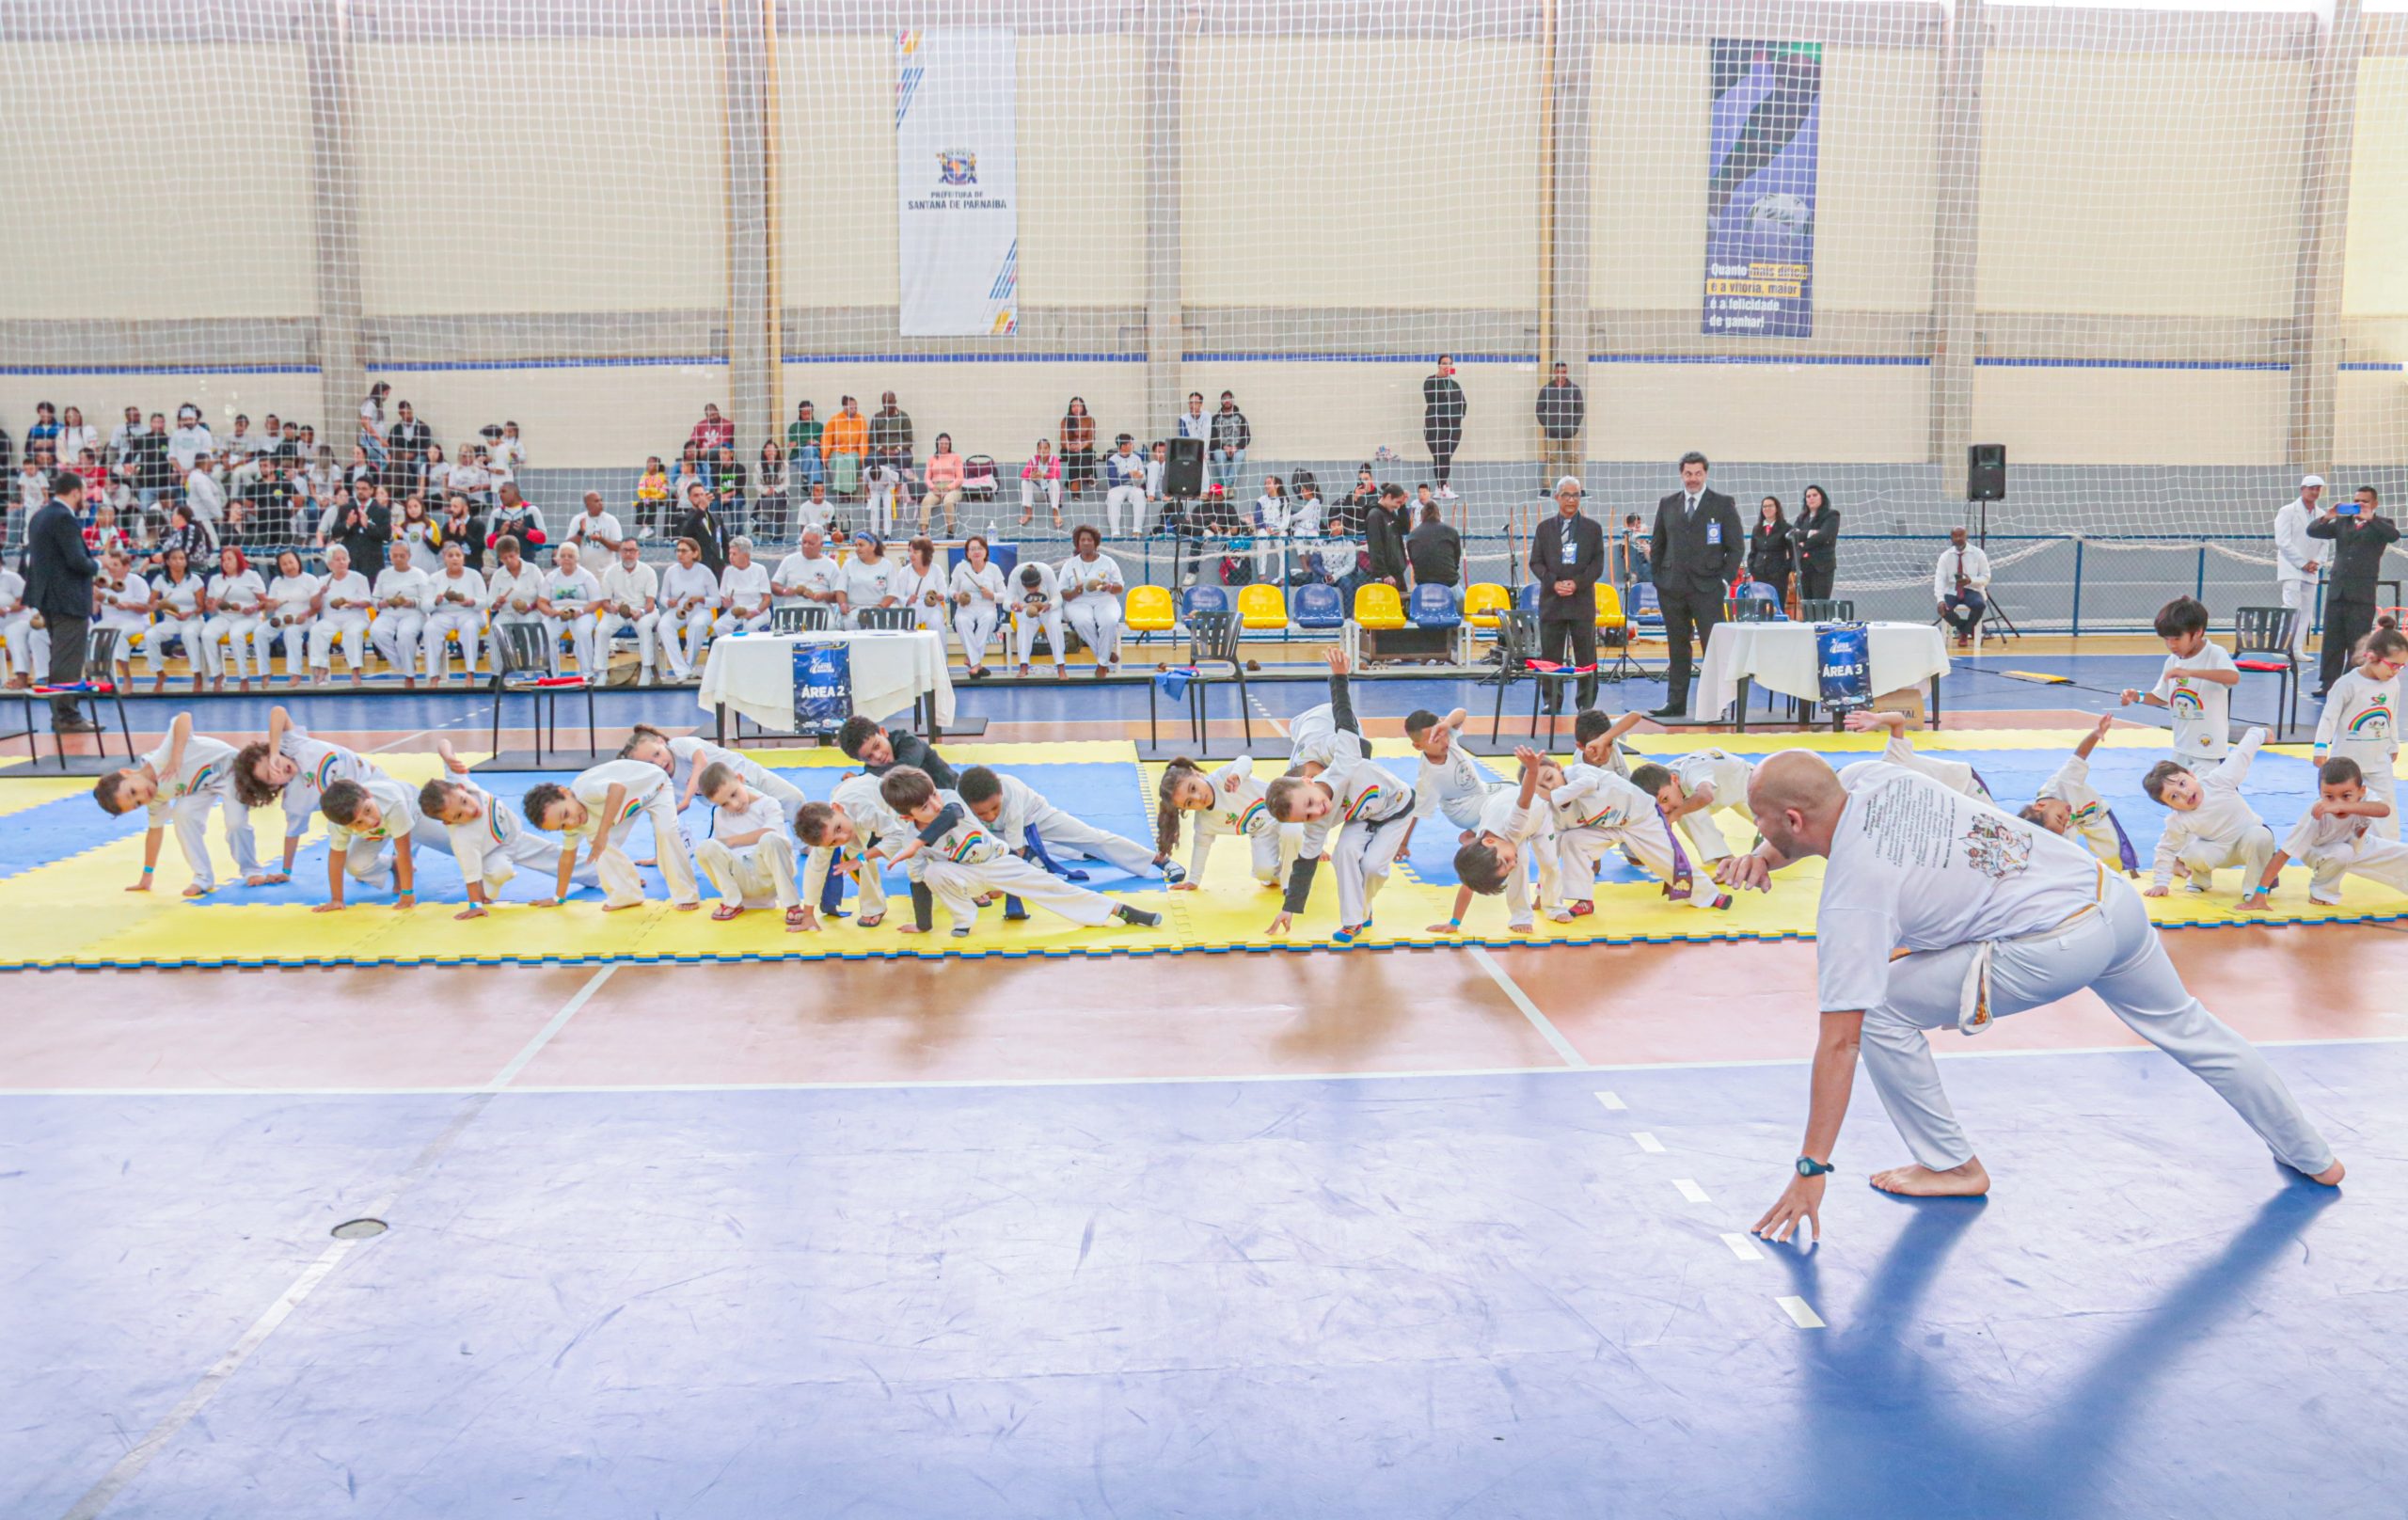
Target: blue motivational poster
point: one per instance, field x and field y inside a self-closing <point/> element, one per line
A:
<point x="823" y="687"/>
<point x="1760" y="188"/>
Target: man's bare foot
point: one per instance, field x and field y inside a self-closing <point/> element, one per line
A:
<point x="1965" y="1182"/>
<point x="2331" y="1176"/>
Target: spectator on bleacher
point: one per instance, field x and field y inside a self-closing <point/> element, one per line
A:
<point x="701" y="522"/>
<point x="362" y="469"/>
<point x="32" y="484"/>
<point x="406" y="444"/>
<point x="418" y="530"/>
<point x="771" y="478"/>
<point x="596" y="531"/>
<point x="75" y="434"/>
<point x="809" y="577"/>
<point x="1385" y="527"/>
<point x="1158" y="476"/>
<point x="631" y="599"/>
<point x="1818" y="545"/>
<point x="1422" y="499"/>
<point x="120" y="437"/>
<point x="1567" y="555"/>
<point x="1078" y="448"/>
<point x="881" y="486"/>
<point x="1635" y="569"/>
<point x="365" y="531"/>
<point x="690" y="473"/>
<point x="1561" y="409"/>
<point x="1435" y="550"/>
<point x="1124" y="479"/>
<point x="1770" y="547"/>
<point x="202" y="492"/>
<point x="728" y="485"/>
<point x="186" y="532"/>
<point x="516" y="517"/>
<point x="1270" y="524"/>
<point x="871" y="579"/>
<point x="889" y="444"/>
<point x="944" y="480"/>
<point x="1441" y="422"/>
<point x="652" y="499"/>
<point x="510" y="450"/>
<point x="1092" y="585"/>
<point x="372" y="424"/>
<point x="46" y="429"/>
<point x="191" y="438"/>
<point x="401" y="594"/>
<point x="147" y="467"/>
<point x="104" y="535"/>
<point x="844" y="443"/>
<point x="802" y="443"/>
<point x="435" y="474"/>
<point x="816" y="511"/>
<point x="712" y="434"/>
<point x="512" y="587"/>
<point x="460" y="526"/>
<point x="1357" y="504"/>
<point x="500" y="465"/>
<point x="2358" y="542"/>
<point x="469" y="477"/>
<point x="1231" y="438"/>
<point x="7" y="452"/>
<point x="96" y="479"/>
<point x="1193" y="422"/>
<point x="241" y="450"/>
<point x="1041" y="474"/>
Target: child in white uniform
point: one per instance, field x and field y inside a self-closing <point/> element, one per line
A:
<point x="1017" y="811"/>
<point x="2068" y="804"/>
<point x="1599" y="736"/>
<point x="1510" y="834"/>
<point x="1597" y="811"/>
<point x="1228" y="802"/>
<point x="839" y="835"/>
<point x="1091" y="585"/>
<point x="964" y="861"/>
<point x="1036" y="607"/>
<point x="293" y="599"/>
<point x="697" y="754"/>
<point x="2361" y="721"/>
<point x="488" y="840"/>
<point x="748" y="856"/>
<point x="1451" y="782"/>
<point x="978" y="591"/>
<point x="688" y="594"/>
<point x="2195" y="685"/>
<point x="456" y="599"/>
<point x="373" y="832"/>
<point x="179" y="781"/>
<point x="1690" y="788"/>
<point x="291" y="765"/>
<point x="1372" y="813"/>
<point x="567" y="602"/>
<point x="2337" y="837"/>
<point x="2212" y="825"/>
<point x="601" y="806"/>
<point x="402" y="592"/>
<point x="630" y="599"/>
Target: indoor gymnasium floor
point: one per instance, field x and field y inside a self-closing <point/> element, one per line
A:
<point x="1397" y="1232"/>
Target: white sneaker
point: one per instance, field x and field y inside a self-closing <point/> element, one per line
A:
<point x="1446" y="493"/>
<point x="645" y="677"/>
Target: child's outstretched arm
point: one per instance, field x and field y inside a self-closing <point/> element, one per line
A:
<point x="1341" y="705"/>
<point x="2090" y="740"/>
<point x="451" y="762"/>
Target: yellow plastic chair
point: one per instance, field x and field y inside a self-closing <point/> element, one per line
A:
<point x="1149" y="609"/>
<point x="1484" y="602"/>
<point x="1263" y="608"/>
<point x="1378" y="607"/>
<point x="1609" y="613"/>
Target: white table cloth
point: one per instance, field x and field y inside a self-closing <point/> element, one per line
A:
<point x="752" y="674"/>
<point x="1780" y="657"/>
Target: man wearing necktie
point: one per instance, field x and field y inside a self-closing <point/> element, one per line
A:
<point x="1960" y="584"/>
<point x="1697" y="547"/>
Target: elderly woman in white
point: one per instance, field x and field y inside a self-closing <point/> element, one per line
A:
<point x="1091" y="586"/>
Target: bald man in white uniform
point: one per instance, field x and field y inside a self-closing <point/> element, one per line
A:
<point x="1991" y="915"/>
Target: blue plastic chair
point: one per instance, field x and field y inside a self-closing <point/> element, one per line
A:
<point x="1202" y="599"/>
<point x="1435" y="607"/>
<point x="1317" y="605"/>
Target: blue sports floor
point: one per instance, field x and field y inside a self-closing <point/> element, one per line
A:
<point x="1426" y="1296"/>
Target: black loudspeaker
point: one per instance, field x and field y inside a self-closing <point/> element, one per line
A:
<point x="1183" y="477"/>
<point x="1986" y="472"/>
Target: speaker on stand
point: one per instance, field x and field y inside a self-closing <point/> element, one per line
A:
<point x="1986" y="482"/>
<point x="1183" y="471"/>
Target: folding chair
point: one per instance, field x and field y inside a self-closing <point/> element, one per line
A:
<point x="1827" y="609"/>
<point x="100" y="653"/>
<point x="1212" y="639"/>
<point x="887" y="618"/>
<point x="521" y="662"/>
<point x="803" y="617"/>
<point x="2262" y="644"/>
<point x="1517" y="647"/>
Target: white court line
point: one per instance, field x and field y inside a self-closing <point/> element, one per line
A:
<point x="1801" y="1313"/>
<point x="1612" y="1102"/>
<point x="920" y="1083"/>
<point x="1521" y="1000"/>
<point x="395" y="744"/>
<point x="130" y="1466"/>
<point x="1647" y="1142"/>
<point x="1742" y="1247"/>
<point x="1690" y="1191"/>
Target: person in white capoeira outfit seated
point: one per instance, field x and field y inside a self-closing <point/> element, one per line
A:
<point x="1939" y="912"/>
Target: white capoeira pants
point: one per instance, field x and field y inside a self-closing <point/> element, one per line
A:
<point x="374" y="867"/>
<point x="1362" y="855"/>
<point x="2377" y="859"/>
<point x="1541" y="851"/>
<point x="240" y="634"/>
<point x="870" y="885"/>
<point x="1065" y="835"/>
<point x="976" y="626"/>
<point x="17" y="642"/>
<point x="2203" y="858"/>
<point x="1026" y="629"/>
<point x="2116" y="953"/>
<point x="579" y="626"/>
<point x="396" y="634"/>
<point x="1132" y="497"/>
<point x="683" y="655"/>
<point x="464" y="621"/>
<point x="956" y="885"/>
<point x="616" y="869"/>
<point x="184" y="631"/>
<point x="2300" y="596"/>
<point x="1578" y="851"/>
<point x="749" y="876"/>
<point x="647" y="627"/>
<point x="1095" y="619"/>
<point x="348" y="625"/>
<point x="2376" y="762"/>
<point x="297" y="639"/>
<point x="189" y="818"/>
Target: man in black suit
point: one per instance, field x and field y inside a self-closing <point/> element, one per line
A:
<point x="58" y="585"/>
<point x="2359" y="537"/>
<point x="1696" y="549"/>
<point x="1567" y="555"/>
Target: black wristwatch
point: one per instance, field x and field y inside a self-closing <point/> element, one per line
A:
<point x="1809" y="1166"/>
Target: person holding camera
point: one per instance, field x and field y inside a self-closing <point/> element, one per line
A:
<point x="2359" y="533"/>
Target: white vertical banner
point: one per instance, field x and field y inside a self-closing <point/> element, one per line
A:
<point x="957" y="181"/>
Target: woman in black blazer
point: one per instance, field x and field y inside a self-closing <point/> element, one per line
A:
<point x="1769" y="546"/>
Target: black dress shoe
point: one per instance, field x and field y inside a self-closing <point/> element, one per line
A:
<point x="1670" y="710"/>
<point x="75" y="725"/>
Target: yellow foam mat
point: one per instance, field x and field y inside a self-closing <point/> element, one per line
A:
<point x="76" y="911"/>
